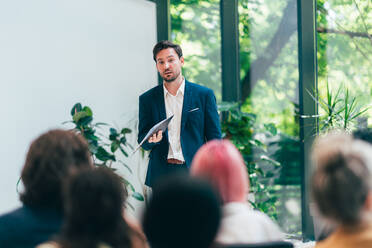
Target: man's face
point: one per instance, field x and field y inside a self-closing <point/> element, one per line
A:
<point x="169" y="64"/>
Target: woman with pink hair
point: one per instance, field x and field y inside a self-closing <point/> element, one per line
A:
<point x="220" y="163"/>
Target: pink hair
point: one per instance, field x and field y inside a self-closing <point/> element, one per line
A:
<point x="220" y="163"/>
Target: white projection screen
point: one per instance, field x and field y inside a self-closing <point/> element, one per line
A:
<point x="54" y="54"/>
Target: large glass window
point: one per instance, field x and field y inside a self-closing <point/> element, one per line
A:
<point x="269" y="76"/>
<point x="344" y="39"/>
<point x="196" y="27"/>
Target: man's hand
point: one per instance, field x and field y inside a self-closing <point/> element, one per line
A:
<point x="156" y="137"/>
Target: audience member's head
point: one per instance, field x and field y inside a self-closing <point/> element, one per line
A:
<point x="52" y="157"/>
<point x="342" y="180"/>
<point x="94" y="201"/>
<point x="183" y="212"/>
<point x="220" y="163"/>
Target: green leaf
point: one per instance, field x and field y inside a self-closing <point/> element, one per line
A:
<point x="17" y="184"/>
<point x="126" y="166"/>
<point x="123" y="140"/>
<point x="123" y="151"/>
<point x="85" y="120"/>
<point x="113" y="134"/>
<point x="130" y="146"/>
<point x="90" y="137"/>
<point x="114" y="146"/>
<point x="93" y="148"/>
<point x="271" y="128"/>
<point x="78" y="115"/>
<point x="130" y="205"/>
<point x="271" y="161"/>
<point x="88" y="111"/>
<point x="127" y="184"/>
<point x="138" y="196"/>
<point x="113" y="131"/>
<point x="125" y="131"/>
<point x="100" y="124"/>
<point x="65" y="122"/>
<point x="76" y="108"/>
<point x="103" y="155"/>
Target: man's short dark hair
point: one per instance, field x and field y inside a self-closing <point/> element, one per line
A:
<point x="183" y="212"/>
<point x="164" y="45"/>
<point x="49" y="161"/>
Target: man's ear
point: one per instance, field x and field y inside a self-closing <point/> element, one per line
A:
<point x="182" y="60"/>
<point x="368" y="203"/>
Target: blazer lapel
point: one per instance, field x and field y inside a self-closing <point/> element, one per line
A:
<point x="186" y="104"/>
<point x="160" y="105"/>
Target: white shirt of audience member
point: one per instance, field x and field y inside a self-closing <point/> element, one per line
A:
<point x="242" y="224"/>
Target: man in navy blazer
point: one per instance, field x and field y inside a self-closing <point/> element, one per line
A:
<point x="195" y="120"/>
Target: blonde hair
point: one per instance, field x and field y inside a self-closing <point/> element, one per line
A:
<point x="342" y="178"/>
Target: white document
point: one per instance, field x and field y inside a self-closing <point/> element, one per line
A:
<point x="156" y="128"/>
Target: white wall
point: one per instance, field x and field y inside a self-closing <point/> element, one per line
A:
<point x="56" y="53"/>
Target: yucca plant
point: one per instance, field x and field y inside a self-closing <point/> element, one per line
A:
<point x="340" y="110"/>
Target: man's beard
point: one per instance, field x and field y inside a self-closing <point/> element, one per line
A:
<point x="170" y="79"/>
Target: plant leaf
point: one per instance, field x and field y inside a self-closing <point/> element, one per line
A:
<point x="125" y="131"/>
<point x="103" y="155"/>
<point x="138" y="196"/>
<point x="76" y="108"/>
<point x="114" y="146"/>
<point x="126" y="166"/>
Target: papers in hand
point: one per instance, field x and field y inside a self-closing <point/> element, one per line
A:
<point x="156" y="128"/>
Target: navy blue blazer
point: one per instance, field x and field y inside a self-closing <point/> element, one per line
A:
<point x="197" y="126"/>
<point x="27" y="227"/>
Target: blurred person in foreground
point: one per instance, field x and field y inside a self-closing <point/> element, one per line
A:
<point x="94" y="201"/>
<point x="183" y="212"/>
<point x="51" y="158"/>
<point x="220" y="163"/>
<point x="342" y="189"/>
<point x="324" y="227"/>
<point x="364" y="134"/>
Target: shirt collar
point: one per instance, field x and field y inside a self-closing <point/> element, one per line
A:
<point x="181" y="89"/>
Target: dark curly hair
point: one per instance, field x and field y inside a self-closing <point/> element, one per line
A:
<point x="164" y="45"/>
<point x="50" y="160"/>
<point x="94" y="201"/>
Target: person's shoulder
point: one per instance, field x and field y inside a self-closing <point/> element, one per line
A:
<point x="263" y="218"/>
<point x="50" y="244"/>
<point x="12" y="216"/>
<point x="245" y="211"/>
<point x="154" y="90"/>
<point x="13" y="226"/>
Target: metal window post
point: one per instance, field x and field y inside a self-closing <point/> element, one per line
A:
<point x="308" y="107"/>
<point x="230" y="50"/>
<point x="163" y="23"/>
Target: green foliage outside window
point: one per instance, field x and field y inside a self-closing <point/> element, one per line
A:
<point x="269" y="73"/>
<point x="248" y="136"/>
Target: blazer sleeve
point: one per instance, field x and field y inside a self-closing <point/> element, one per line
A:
<point x="144" y="123"/>
<point x="212" y="124"/>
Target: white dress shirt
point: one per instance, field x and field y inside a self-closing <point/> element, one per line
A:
<point x="173" y="106"/>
